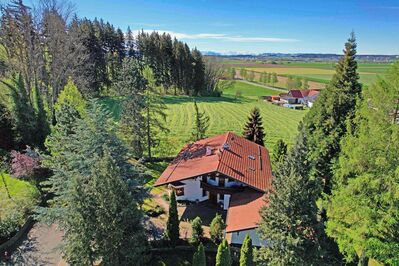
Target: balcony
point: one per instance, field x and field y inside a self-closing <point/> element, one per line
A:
<point x="219" y="189"/>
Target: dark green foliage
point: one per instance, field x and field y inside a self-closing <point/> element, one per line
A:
<point x="201" y="124"/>
<point x="223" y="257"/>
<point x="362" y="210"/>
<point x="96" y="195"/>
<point x="247" y="256"/>
<point x="197" y="231"/>
<point x="172" y="226"/>
<point x="199" y="258"/>
<point x="22" y="113"/>
<point x="290" y="221"/>
<point x="154" y="112"/>
<point x="217" y="229"/>
<point x="131" y="85"/>
<point x="173" y="63"/>
<point x="279" y="153"/>
<point x="326" y="123"/>
<point x="6" y="132"/>
<point x="253" y="129"/>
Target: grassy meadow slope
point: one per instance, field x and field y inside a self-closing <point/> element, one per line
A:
<point x="226" y="114"/>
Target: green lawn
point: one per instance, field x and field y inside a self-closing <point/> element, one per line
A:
<point x="226" y="114"/>
<point x="24" y="197"/>
<point x="248" y="90"/>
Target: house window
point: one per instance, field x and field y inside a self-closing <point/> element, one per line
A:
<point x="212" y="178"/>
<point x="179" y="191"/>
<point x="204" y="193"/>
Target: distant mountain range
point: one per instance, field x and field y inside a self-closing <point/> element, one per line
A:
<point x="301" y="56"/>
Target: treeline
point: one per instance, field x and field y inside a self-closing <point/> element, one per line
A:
<point x="43" y="47"/>
<point x="174" y="64"/>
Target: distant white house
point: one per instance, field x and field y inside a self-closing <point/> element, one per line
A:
<point x="229" y="171"/>
<point x="304" y="97"/>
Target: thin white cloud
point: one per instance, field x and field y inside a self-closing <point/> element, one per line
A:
<point x="223" y="37"/>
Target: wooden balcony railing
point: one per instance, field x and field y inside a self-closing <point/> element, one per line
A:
<point x="221" y="190"/>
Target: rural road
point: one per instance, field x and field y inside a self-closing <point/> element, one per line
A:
<point x="263" y="86"/>
<point x="39" y="247"/>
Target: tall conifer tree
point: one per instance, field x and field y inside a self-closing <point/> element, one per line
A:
<point x="328" y="120"/>
<point x="247" y="256"/>
<point x="172" y="226"/>
<point x="253" y="129"/>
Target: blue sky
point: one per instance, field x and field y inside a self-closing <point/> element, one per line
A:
<point x="307" y="26"/>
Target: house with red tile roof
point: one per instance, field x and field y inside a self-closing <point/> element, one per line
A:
<point x="227" y="170"/>
<point x="304" y="97"/>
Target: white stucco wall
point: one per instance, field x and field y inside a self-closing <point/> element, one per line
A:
<point x="238" y="237"/>
<point x="192" y="190"/>
<point x="226" y="201"/>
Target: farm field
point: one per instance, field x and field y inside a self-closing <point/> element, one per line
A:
<point x="226" y="114"/>
<point x="320" y="72"/>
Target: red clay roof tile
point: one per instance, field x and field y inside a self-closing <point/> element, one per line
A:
<point x="232" y="155"/>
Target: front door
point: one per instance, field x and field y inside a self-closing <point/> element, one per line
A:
<point x="213" y="198"/>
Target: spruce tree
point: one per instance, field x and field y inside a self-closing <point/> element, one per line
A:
<point x="172" y="225"/>
<point x="217" y="229"/>
<point x="96" y="190"/>
<point x="199" y="258"/>
<point x="153" y="113"/>
<point x="326" y="123"/>
<point x="247" y="256"/>
<point x="131" y="86"/>
<point x="201" y="123"/>
<point x="223" y="256"/>
<point x="279" y="153"/>
<point x="367" y="181"/>
<point x="253" y="129"/>
<point x="290" y="221"/>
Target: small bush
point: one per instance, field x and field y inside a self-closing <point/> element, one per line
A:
<point x="198" y="232"/>
<point x="217" y="229"/>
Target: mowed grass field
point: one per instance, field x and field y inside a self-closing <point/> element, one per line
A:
<point x="225" y="114"/>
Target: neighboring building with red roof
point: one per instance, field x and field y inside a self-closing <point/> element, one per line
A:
<point x="227" y="170"/>
<point x="305" y="97"/>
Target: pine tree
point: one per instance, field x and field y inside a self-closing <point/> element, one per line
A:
<point x="253" y="129"/>
<point x="199" y="258"/>
<point x="172" y="226"/>
<point x="201" y="124"/>
<point x="223" y="256"/>
<point x="247" y="256"/>
<point x="197" y="231"/>
<point x="326" y="123"/>
<point x="279" y="153"/>
<point x="217" y="229"/>
<point x="366" y="178"/>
